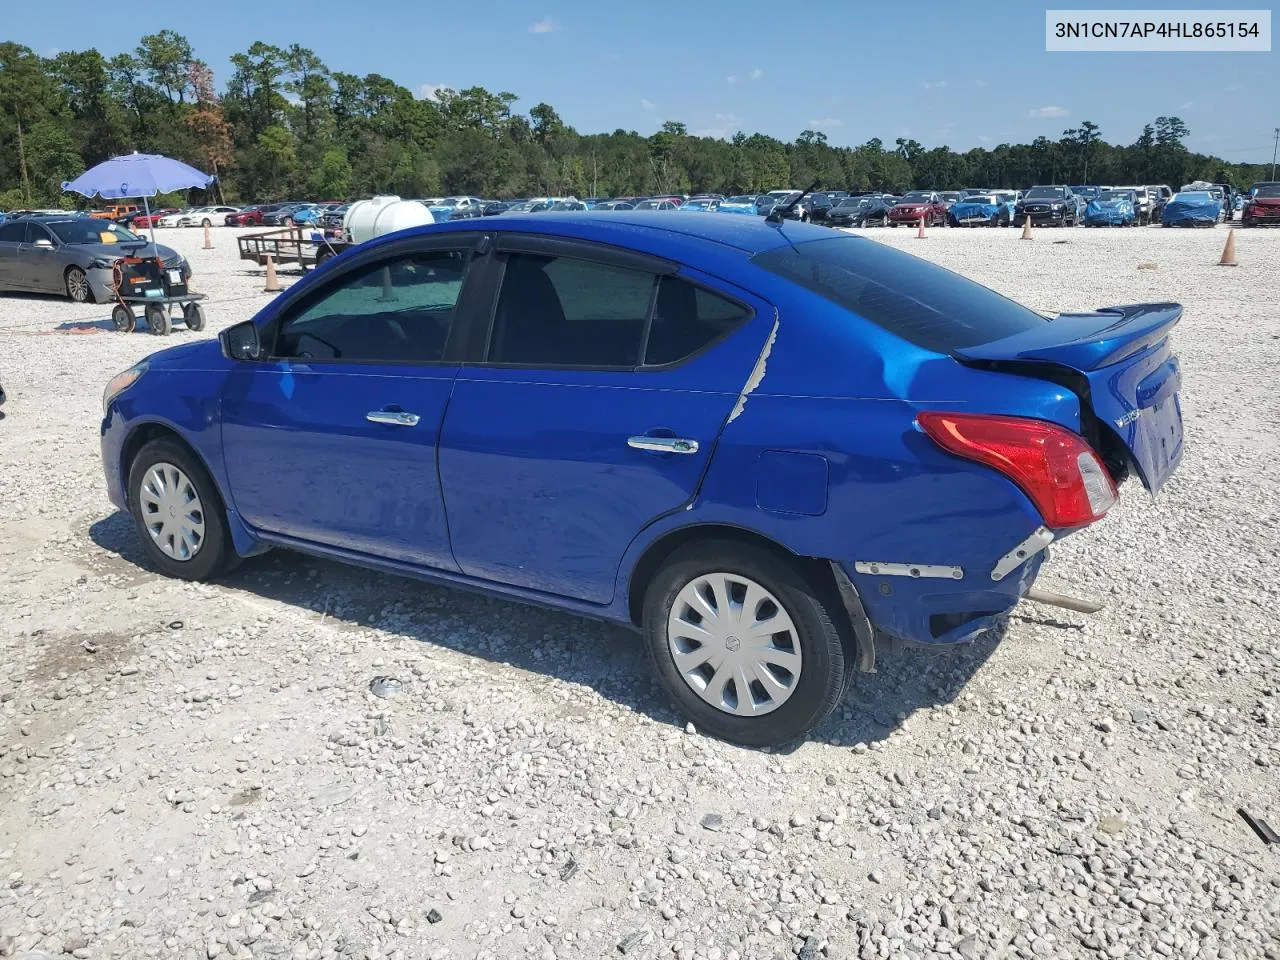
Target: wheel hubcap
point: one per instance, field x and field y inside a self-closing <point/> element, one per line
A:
<point x="734" y="644"/>
<point x="172" y="511"/>
<point x="78" y="286"/>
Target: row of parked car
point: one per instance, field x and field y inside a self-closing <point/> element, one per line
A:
<point x="1198" y="203"/>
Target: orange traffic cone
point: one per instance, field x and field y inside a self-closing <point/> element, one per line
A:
<point x="920" y="232"/>
<point x="273" y="285"/>
<point x="208" y="240"/>
<point x="1229" y="251"/>
<point x="1026" y="227"/>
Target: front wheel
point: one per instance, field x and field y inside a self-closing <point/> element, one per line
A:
<point x="123" y="318"/>
<point x="78" y="289"/>
<point x="193" y="314"/>
<point x="748" y="649"/>
<point x="178" y="513"/>
<point x="158" y="323"/>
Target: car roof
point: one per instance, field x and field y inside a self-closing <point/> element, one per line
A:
<point x="642" y="229"/>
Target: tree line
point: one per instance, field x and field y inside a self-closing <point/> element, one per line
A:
<point x="288" y="126"/>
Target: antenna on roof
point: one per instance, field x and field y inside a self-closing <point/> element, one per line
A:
<point x="779" y="212"/>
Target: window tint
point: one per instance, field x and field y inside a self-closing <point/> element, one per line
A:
<point x="920" y="302"/>
<point x="686" y="319"/>
<point x="399" y="310"/>
<point x="554" y="311"/>
<point x="13" y="232"/>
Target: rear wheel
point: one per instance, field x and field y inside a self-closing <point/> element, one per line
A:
<point x="178" y="513"/>
<point x="748" y="649"/>
<point x="78" y="288"/>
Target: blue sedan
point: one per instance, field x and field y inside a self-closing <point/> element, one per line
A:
<point x="766" y="447"/>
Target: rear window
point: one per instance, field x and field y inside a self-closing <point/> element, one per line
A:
<point x="912" y="298"/>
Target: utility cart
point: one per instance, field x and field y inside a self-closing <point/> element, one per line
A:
<point x="146" y="282"/>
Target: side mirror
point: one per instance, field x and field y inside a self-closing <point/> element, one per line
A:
<point x="43" y="244"/>
<point x="240" y="342"/>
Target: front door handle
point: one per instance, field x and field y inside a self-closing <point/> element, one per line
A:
<point x="663" y="444"/>
<point x="393" y="418"/>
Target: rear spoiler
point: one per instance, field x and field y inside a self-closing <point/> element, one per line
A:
<point x="1084" y="341"/>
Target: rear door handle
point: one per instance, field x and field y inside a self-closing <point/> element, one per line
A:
<point x="393" y="418"/>
<point x="663" y="444"/>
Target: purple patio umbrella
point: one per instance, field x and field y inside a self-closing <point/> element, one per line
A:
<point x="137" y="175"/>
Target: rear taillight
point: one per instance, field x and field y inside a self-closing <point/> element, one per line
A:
<point x="1053" y="466"/>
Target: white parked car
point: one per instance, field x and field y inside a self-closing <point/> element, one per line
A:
<point x="173" y="219"/>
<point x="199" y="216"/>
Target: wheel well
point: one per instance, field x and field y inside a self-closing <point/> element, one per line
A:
<point x="817" y="573"/>
<point x="144" y="435"/>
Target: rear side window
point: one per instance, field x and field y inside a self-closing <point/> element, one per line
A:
<point x="564" y="312"/>
<point x="559" y="312"/>
<point x="923" y="303"/>
<point x="13" y="232"/>
<point x="686" y="319"/>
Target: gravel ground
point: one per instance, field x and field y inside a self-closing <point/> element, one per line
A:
<point x="198" y="771"/>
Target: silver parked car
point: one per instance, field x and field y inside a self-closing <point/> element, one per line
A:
<point x="72" y="255"/>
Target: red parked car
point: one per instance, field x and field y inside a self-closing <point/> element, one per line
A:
<point x="917" y="204"/>
<point x="144" y="222"/>
<point x="1262" y="205"/>
<point x="251" y="216"/>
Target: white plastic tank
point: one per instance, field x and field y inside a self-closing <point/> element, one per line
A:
<point x="367" y="219"/>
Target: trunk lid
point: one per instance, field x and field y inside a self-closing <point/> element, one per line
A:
<point x="1124" y="373"/>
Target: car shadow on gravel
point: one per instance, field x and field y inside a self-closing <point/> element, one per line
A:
<point x="604" y="656"/>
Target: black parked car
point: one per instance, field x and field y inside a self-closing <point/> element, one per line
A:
<point x="860" y="212"/>
<point x="1047" y="205"/>
<point x="814" y="208"/>
<point x="614" y="205"/>
<point x="495" y="207"/>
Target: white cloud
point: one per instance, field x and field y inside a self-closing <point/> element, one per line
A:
<point x="545" y="25"/>
<point x="756" y="73"/>
<point x="981" y="83"/>
<point x="826" y="123"/>
<point x="725" y="124"/>
<point x="646" y="104"/>
<point x="1186" y="105"/>
<point x="732" y="78"/>
<point x="429" y="91"/>
<point x="982" y="139"/>
<point x="1233" y="87"/>
<point x="1046" y="113"/>
<point x="937" y="85"/>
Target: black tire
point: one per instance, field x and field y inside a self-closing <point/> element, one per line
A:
<point x="215" y="555"/>
<point x="124" y="319"/>
<point x="76" y="282"/>
<point x="157" y="320"/>
<point x="193" y="314"/>
<point x="824" y="673"/>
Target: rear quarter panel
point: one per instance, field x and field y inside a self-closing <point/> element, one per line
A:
<point x="838" y="389"/>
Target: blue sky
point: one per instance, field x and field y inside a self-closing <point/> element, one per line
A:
<point x="942" y="73"/>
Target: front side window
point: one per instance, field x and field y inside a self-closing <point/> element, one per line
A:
<point x="395" y="311"/>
